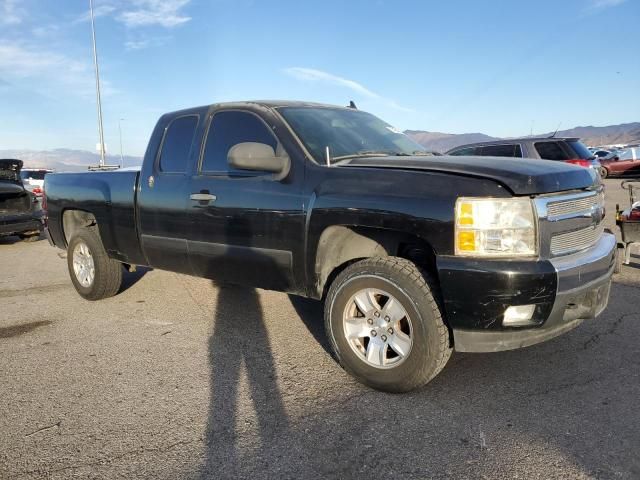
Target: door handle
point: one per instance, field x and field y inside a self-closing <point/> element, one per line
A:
<point x="203" y="197"/>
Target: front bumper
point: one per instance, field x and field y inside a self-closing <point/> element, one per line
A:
<point x="566" y="291"/>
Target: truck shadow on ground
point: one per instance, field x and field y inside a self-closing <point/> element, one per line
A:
<point x="236" y="344"/>
<point x="500" y="414"/>
<point x="129" y="279"/>
<point x="311" y="313"/>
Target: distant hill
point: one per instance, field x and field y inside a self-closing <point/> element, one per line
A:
<point x="610" y="135"/>
<point x="592" y="136"/>
<point x="65" y="160"/>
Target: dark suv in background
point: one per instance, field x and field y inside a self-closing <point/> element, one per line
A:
<point x="568" y="150"/>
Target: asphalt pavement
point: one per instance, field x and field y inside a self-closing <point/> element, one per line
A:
<point x="178" y="378"/>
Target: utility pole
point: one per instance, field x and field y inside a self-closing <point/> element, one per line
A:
<point x="95" y="62"/>
<point x="120" y="133"/>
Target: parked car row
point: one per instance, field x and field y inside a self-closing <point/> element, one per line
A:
<point x="622" y="163"/>
<point x="568" y="150"/>
<point x="608" y="163"/>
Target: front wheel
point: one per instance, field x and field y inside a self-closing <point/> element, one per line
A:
<point x="94" y="275"/>
<point x="385" y="326"/>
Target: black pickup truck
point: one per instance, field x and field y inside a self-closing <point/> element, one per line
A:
<point x="413" y="255"/>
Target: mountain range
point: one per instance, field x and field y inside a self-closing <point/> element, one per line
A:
<point x="593" y="136"/>
<point x="63" y="159"/>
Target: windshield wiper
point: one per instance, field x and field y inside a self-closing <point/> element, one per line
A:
<point x="367" y="153"/>
<point x="423" y="153"/>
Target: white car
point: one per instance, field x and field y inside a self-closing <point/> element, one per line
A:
<point x="33" y="179"/>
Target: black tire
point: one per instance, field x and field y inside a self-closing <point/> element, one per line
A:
<point x="413" y="289"/>
<point x="108" y="272"/>
<point x="604" y="173"/>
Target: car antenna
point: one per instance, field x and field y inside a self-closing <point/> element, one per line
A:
<point x="553" y="135"/>
<point x="352" y="104"/>
<point x="327" y="155"/>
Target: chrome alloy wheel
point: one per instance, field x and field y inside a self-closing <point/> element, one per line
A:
<point x="83" y="266"/>
<point x="377" y="328"/>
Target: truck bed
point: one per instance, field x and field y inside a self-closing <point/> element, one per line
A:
<point x="110" y="196"/>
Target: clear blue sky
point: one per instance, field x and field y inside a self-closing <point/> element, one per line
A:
<point x="457" y="66"/>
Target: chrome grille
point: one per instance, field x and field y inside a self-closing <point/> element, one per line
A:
<point x="571" y="207"/>
<point x="564" y="243"/>
<point x="569" y="222"/>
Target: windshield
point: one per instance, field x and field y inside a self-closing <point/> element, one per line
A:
<point x="347" y="133"/>
<point x="630" y="154"/>
<point x="33" y="174"/>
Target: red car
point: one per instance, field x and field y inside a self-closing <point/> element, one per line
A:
<point x="626" y="162"/>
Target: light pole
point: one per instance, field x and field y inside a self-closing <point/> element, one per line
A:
<point x="120" y="132"/>
<point x="95" y="63"/>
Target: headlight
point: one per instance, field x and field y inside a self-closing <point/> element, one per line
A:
<point x="488" y="227"/>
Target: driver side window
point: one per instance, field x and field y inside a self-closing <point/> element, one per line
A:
<point x="228" y="128"/>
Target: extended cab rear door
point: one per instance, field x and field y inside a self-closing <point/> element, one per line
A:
<point x="163" y="195"/>
<point x="246" y="226"/>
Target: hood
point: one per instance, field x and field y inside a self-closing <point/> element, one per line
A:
<point x="523" y="176"/>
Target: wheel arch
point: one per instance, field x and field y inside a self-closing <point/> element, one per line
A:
<point x="341" y="245"/>
<point x="74" y="219"/>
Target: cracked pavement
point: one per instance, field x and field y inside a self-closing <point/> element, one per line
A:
<point x="177" y="378"/>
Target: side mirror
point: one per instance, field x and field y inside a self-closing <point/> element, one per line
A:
<point x="257" y="157"/>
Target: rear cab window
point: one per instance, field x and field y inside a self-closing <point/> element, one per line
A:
<point x="177" y="143"/>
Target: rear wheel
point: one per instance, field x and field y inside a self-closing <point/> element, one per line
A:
<point x="94" y="275"/>
<point x="385" y="326"/>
